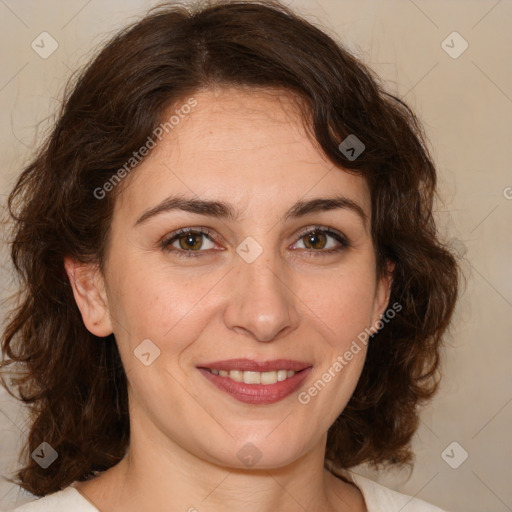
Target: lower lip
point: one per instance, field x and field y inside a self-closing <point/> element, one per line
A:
<point x="257" y="393"/>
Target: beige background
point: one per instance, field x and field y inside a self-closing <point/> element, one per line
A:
<point x="466" y="106"/>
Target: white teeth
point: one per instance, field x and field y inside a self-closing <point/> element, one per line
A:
<point x="281" y="375"/>
<point x="237" y="375"/>
<point x="269" y="377"/>
<point x="252" y="377"/>
<point x="255" y="377"/>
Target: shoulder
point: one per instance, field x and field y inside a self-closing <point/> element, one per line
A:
<point x="382" y="499"/>
<point x="61" y="501"/>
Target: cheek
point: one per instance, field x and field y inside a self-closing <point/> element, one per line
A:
<point x="171" y="313"/>
<point x="161" y="304"/>
<point x="343" y="302"/>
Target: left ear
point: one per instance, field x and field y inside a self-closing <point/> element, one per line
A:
<point x="383" y="293"/>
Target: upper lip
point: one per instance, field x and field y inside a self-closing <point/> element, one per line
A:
<point x="251" y="365"/>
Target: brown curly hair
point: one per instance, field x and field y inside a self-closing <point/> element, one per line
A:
<point x="74" y="381"/>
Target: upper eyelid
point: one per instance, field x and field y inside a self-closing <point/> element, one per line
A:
<point x="183" y="231"/>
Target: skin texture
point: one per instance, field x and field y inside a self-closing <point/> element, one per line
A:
<point x="249" y="149"/>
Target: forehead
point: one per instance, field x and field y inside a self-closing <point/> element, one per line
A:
<point x="231" y="123"/>
<point x="240" y="145"/>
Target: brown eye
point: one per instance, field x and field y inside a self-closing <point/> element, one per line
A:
<point x="190" y="241"/>
<point x="187" y="242"/>
<point x="322" y="241"/>
<point x="315" y="240"/>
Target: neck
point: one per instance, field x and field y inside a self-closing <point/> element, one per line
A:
<point x="159" y="474"/>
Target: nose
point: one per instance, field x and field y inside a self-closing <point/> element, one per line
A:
<point x="261" y="302"/>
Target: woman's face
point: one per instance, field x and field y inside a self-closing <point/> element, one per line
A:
<point x="255" y="287"/>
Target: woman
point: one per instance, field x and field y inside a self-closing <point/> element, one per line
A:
<point x="233" y="287"/>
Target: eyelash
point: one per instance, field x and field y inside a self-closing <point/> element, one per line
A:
<point x="166" y="243"/>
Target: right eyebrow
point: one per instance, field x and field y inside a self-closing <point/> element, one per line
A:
<point x="218" y="209"/>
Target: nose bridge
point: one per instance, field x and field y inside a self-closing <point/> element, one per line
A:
<point x="261" y="301"/>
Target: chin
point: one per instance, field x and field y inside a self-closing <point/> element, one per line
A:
<point x="258" y="453"/>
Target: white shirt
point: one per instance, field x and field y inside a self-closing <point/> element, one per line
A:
<point x="377" y="497"/>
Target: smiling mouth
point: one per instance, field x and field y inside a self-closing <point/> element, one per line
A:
<point x="250" y="377"/>
<point x="256" y="382"/>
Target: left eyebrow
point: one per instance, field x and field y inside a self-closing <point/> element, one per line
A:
<point x="302" y="208"/>
<point x="220" y="209"/>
